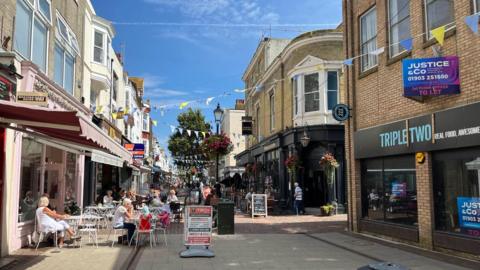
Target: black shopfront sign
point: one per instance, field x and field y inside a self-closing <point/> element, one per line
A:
<point x="453" y="128"/>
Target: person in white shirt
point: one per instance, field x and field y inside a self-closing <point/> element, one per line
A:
<point x="172" y="197"/>
<point x="108" y="199"/>
<point x="298" y="203"/>
<point x="122" y="215"/>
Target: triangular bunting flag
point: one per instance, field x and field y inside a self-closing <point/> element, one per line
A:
<point x="196" y="133"/>
<point x="114" y="115"/>
<point x="183" y="105"/>
<point x="126" y="111"/>
<point x="378" y="51"/>
<point x="204" y="134"/>
<point x="239" y="90"/>
<point x="439" y="34"/>
<point x="347" y="62"/>
<point x="181" y="130"/>
<point x="209" y="100"/>
<point x="407" y="44"/>
<point x="472" y="22"/>
<point x="172" y="128"/>
<point x="154" y="122"/>
<point x="189" y="132"/>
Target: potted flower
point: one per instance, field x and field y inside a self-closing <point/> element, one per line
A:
<point x="292" y="163"/>
<point x="327" y="210"/>
<point x="329" y="163"/>
<point x="217" y="145"/>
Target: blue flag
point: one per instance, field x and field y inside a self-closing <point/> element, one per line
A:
<point x="348" y="61"/>
<point x="472" y="22"/>
<point x="407" y="44"/>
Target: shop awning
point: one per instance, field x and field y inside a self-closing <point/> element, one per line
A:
<point x="63" y="125"/>
<point x="104" y="158"/>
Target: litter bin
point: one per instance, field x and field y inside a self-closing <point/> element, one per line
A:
<point x="225" y="217"/>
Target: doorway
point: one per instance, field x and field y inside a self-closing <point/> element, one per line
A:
<point x="315" y="189"/>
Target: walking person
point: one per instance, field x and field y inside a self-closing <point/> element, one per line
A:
<point x="298" y="203"/>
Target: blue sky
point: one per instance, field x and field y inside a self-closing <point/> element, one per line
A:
<point x="185" y="53"/>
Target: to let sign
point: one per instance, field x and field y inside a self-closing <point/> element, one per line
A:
<point x="137" y="149"/>
<point x="469" y="212"/>
<point x="431" y="76"/>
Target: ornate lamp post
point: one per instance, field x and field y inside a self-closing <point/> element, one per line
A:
<point x="218" y="114"/>
<point x="305" y="140"/>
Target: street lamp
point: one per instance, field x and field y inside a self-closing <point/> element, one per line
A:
<point x="305" y="140"/>
<point x="218" y="114"/>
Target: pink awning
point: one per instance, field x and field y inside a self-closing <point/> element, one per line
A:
<point x="64" y="125"/>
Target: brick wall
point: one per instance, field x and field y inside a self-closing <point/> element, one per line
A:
<point x="376" y="97"/>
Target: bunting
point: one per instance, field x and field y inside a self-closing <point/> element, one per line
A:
<point x="407" y="44"/>
<point x="472" y="22"/>
<point x="439" y="34"/>
<point x="184" y="104"/>
<point x="209" y="100"/>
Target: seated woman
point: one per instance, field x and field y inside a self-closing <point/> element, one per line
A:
<point x="47" y="221"/>
<point x="108" y="198"/>
<point x="172" y="197"/>
<point x="122" y="214"/>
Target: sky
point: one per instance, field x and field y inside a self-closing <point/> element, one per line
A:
<point x="195" y="49"/>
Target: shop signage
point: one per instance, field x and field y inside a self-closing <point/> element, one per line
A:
<point x="259" y="205"/>
<point x="453" y="128"/>
<point x="137" y="149"/>
<point x="198" y="225"/>
<point x="247" y="125"/>
<point x="431" y="76"/>
<point x="469" y="212"/>
<point x="32" y="98"/>
<point x="341" y="112"/>
<point x="6" y="88"/>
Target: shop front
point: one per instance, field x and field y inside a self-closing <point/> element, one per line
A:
<point x="420" y="179"/>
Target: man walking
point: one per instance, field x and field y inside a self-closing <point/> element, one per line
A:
<point x="298" y="203"/>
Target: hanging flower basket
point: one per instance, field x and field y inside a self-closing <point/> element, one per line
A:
<point x="217" y="145"/>
<point x="329" y="163"/>
<point x="292" y="163"/>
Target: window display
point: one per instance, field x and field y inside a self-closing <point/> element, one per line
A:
<point x="456" y="182"/>
<point x="389" y="190"/>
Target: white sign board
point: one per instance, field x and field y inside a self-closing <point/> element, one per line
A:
<point x="259" y="205"/>
<point x="198" y="225"/>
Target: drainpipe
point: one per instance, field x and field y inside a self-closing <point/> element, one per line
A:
<point x="111" y="90"/>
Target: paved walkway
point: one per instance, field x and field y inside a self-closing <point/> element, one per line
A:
<point x="289" y="242"/>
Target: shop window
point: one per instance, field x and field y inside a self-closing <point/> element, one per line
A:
<point x="30" y="186"/>
<point x="438" y="13"/>
<point x="71" y="175"/>
<point x="272" y="175"/>
<point x="389" y="190"/>
<point x="312" y="93"/>
<point x="64" y="71"/>
<point x="145" y="122"/>
<point x="31" y="27"/>
<point x="456" y="181"/>
<point x="332" y="89"/>
<point x="399" y="24"/>
<point x="368" y="39"/>
<point x="476" y="6"/>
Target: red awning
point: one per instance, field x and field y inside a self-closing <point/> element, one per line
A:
<point x="64" y="125"/>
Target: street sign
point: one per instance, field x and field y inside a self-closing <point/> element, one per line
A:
<point x="247" y="125"/>
<point x="341" y="112"/>
<point x="259" y="205"/>
<point x="198" y="225"/>
<point x="32" y="98"/>
<point x="137" y="149"/>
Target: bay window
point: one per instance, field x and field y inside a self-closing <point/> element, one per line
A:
<point x="64" y="72"/>
<point x="368" y="39"/>
<point x="99" y="48"/>
<point x="399" y="24"/>
<point x="295" y="95"/>
<point x="332" y="89"/>
<point x="31" y="31"/>
<point x="312" y="94"/>
<point x="438" y="13"/>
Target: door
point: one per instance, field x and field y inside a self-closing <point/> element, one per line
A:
<point x="2" y="160"/>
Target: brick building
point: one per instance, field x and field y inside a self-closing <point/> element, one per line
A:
<point x="413" y="162"/>
<point x="292" y="86"/>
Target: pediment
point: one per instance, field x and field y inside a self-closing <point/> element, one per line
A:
<point x="310" y="61"/>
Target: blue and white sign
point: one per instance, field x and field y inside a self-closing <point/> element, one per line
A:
<point x="469" y="212"/>
<point x="431" y="76"/>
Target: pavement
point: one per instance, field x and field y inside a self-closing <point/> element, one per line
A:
<point x="275" y="242"/>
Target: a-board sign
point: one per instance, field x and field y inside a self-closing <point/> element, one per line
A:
<point x="259" y="205"/>
<point x="198" y="225"/>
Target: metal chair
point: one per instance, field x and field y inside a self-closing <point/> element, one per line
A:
<point x="44" y="232"/>
<point x="144" y="229"/>
<point x="90" y="228"/>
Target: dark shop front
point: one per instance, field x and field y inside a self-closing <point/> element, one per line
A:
<point x="422" y="176"/>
